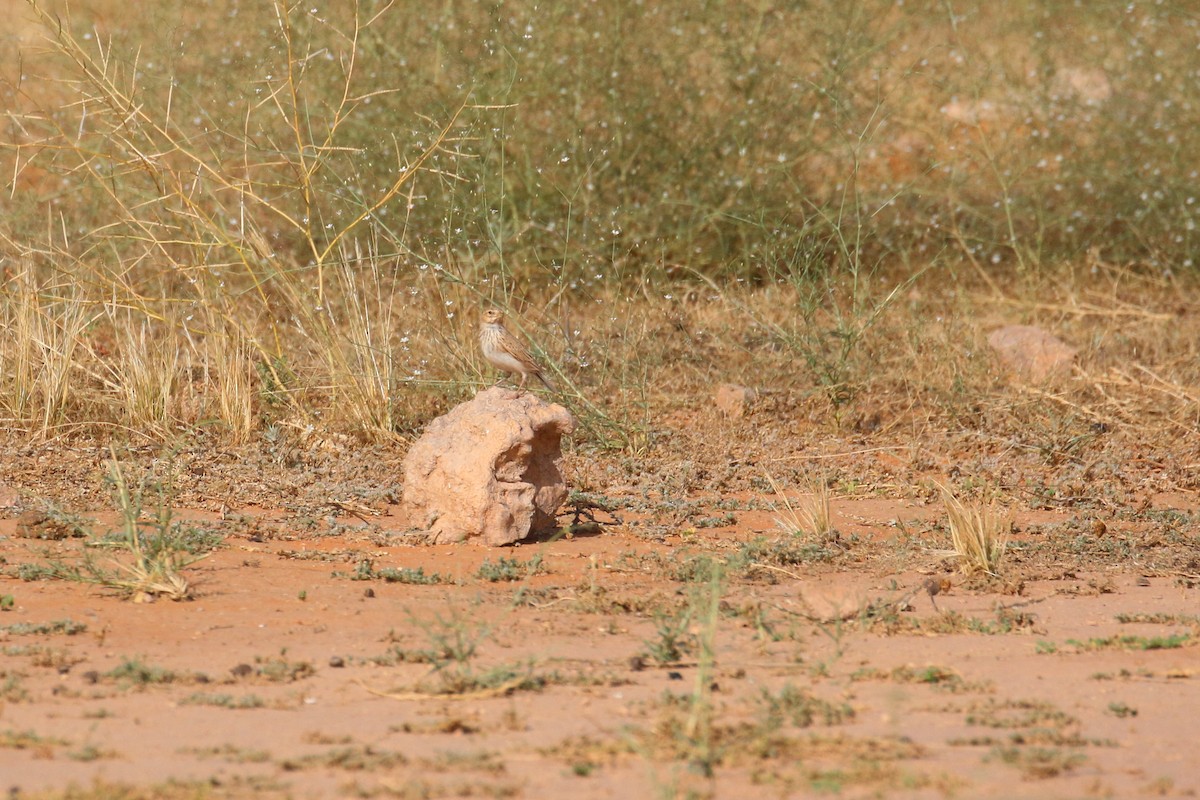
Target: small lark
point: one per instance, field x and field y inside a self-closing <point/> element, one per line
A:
<point x="504" y="352"/>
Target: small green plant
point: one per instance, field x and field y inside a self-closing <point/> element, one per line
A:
<point x="11" y="689"/>
<point x="67" y="627"/>
<point x="509" y="569"/>
<point x="1039" y="763"/>
<point x="1129" y="642"/>
<point x="90" y="752"/>
<point x="7" y="602"/>
<point x="281" y="670"/>
<point x="365" y="571"/>
<point x="452" y="646"/>
<point x="156" y="551"/>
<point x="1122" y="710"/>
<point x="1046" y="648"/>
<point x="223" y="700"/>
<point x="159" y="554"/>
<point x="29" y="740"/>
<point x="674" y="638"/>
<point x="134" y="672"/>
<point x="801" y="709"/>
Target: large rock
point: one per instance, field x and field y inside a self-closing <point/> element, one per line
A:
<point x="1032" y="353"/>
<point x="491" y="469"/>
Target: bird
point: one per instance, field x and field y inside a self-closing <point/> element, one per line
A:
<point x="504" y="352"/>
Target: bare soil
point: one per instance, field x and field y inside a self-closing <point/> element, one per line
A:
<point x="300" y="670"/>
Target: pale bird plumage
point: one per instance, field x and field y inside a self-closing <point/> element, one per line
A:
<point x="505" y="352"/>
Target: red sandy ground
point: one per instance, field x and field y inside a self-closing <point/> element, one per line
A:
<point x="1112" y="722"/>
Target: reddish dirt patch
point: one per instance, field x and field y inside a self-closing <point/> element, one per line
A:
<point x="289" y="678"/>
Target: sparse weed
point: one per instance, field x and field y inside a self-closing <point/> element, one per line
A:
<point x="452" y="647"/>
<point x="801" y="709"/>
<point x="1039" y="763"/>
<point x="66" y="627"/>
<point x="366" y="571"/>
<point x="134" y="672"/>
<point x="222" y="700"/>
<point x="1129" y="642"/>
<point x="509" y="569"/>
<point x="1121" y="710"/>
<point x="673" y="637"/>
<point x="158" y="555"/>
<point x="281" y="670"/>
<point x="12" y="689"/>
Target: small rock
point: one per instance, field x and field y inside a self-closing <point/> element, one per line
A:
<point x="734" y="400"/>
<point x="35" y="524"/>
<point x="1031" y="352"/>
<point x="10" y="498"/>
<point x="242" y="671"/>
<point x="337" y="662"/>
<point x="368" y="592"/>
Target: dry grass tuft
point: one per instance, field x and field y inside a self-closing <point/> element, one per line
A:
<point x="808" y="515"/>
<point x="979" y="533"/>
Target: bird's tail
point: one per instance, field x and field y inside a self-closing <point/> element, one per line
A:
<point x="545" y="382"/>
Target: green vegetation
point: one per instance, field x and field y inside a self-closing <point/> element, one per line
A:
<point x="223" y="700"/>
<point x="134" y="672"/>
<point x="154" y="553"/>
<point x="67" y="627"/>
<point x="509" y="569"/>
<point x="366" y="571"/>
<point x="304" y="239"/>
<point x="1128" y="642"/>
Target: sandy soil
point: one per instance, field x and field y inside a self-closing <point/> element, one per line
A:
<point x="839" y="674"/>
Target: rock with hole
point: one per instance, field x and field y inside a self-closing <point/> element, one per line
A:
<point x="488" y="471"/>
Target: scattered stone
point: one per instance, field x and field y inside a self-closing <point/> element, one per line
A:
<point x="490" y="469"/>
<point x="10" y="498"/>
<point x="637" y="663"/>
<point x="1031" y="352"/>
<point x="368" y="592"/>
<point x="40" y="524"/>
<point x="242" y="671"/>
<point x="734" y="400"/>
<point x="337" y="662"/>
